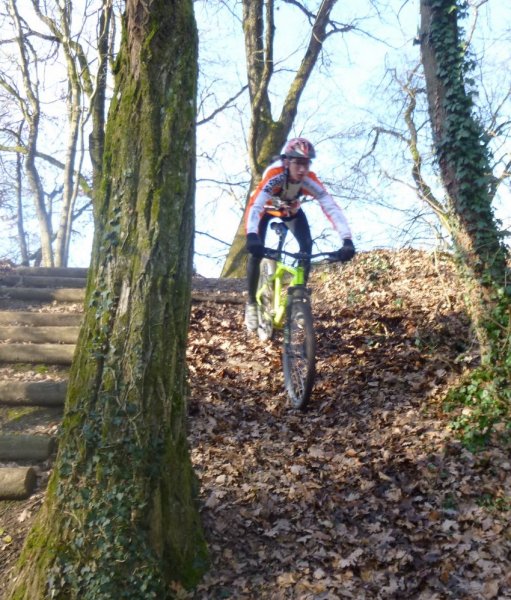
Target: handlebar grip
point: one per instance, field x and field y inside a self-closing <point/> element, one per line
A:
<point x="271" y="253"/>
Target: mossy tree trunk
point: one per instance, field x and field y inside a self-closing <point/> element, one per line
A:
<point x="267" y="135"/>
<point x="464" y="161"/>
<point x="120" y="518"/>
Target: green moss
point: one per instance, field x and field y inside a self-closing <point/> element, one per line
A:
<point x="13" y="414"/>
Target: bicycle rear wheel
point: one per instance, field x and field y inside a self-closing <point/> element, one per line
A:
<point x="299" y="350"/>
<point x="265" y="306"/>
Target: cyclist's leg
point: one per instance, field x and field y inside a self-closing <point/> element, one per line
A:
<point x="253" y="268"/>
<point x="253" y="263"/>
<point x="299" y="227"/>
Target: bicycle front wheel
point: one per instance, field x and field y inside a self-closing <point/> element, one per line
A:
<point x="265" y="307"/>
<point x="299" y="350"/>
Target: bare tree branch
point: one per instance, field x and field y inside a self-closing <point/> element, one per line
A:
<point x="228" y="103"/>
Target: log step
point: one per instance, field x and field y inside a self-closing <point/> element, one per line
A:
<point x="43" y="294"/>
<point x="17" y="483"/>
<point x="39" y="330"/>
<point x="18" y="447"/>
<point x="40" y="335"/>
<point x="40" y="319"/>
<point x="71" y="272"/>
<point x="56" y="354"/>
<point x="33" y="393"/>
<point x="42" y="282"/>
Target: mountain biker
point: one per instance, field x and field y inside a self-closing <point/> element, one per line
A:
<point x="278" y="195"/>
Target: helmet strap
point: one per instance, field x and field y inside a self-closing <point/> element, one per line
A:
<point x="286" y="181"/>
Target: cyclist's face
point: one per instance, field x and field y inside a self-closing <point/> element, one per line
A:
<point x="298" y="168"/>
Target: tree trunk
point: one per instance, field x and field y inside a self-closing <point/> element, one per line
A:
<point x="22" y="240"/>
<point x="78" y="77"/>
<point x="120" y="519"/>
<point x="70" y="186"/>
<point x="235" y="263"/>
<point x="97" y="136"/>
<point x="464" y="162"/>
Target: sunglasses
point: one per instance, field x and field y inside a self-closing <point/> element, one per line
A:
<point x="304" y="162"/>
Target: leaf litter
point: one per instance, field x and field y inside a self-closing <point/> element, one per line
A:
<point x="367" y="494"/>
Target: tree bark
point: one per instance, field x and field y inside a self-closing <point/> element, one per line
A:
<point x="465" y="169"/>
<point x="22" y="240"/>
<point x="98" y="102"/>
<point x="482" y="258"/>
<point x="120" y="519"/>
<point x="74" y="118"/>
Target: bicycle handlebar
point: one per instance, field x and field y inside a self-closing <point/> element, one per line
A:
<point x="276" y="255"/>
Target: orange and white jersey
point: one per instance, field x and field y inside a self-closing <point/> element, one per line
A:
<point x="269" y="197"/>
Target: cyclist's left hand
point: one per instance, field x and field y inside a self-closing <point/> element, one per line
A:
<point x="347" y="252"/>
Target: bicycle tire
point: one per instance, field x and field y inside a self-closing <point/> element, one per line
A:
<point x="299" y="350"/>
<point x="265" y="308"/>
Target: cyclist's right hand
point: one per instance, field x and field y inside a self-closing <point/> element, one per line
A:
<point x="254" y="245"/>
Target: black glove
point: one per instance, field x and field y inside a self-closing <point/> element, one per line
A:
<point x="254" y="245"/>
<point x="347" y="252"/>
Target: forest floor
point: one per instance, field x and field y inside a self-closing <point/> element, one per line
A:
<point x="366" y="495"/>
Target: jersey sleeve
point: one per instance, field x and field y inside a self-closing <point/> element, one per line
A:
<point x="312" y="186"/>
<point x="270" y="183"/>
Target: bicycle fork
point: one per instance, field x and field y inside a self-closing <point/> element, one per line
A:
<point x="297" y="296"/>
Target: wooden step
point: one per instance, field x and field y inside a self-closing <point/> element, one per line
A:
<point x="17" y="483"/>
<point x="43" y="294"/>
<point x="24" y="447"/>
<point x="40" y="319"/>
<point x="48" y="354"/>
<point x="35" y="337"/>
<point x="73" y="272"/>
<point x="40" y="335"/>
<point x="33" y="393"/>
<point x="41" y="282"/>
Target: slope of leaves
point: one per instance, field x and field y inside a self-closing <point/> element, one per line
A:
<point x="367" y="494"/>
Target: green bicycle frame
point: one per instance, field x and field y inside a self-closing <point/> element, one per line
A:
<point x="276" y="281"/>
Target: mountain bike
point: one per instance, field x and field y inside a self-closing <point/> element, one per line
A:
<point x="284" y="303"/>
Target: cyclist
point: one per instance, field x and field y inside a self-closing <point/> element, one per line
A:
<point x="278" y="195"/>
